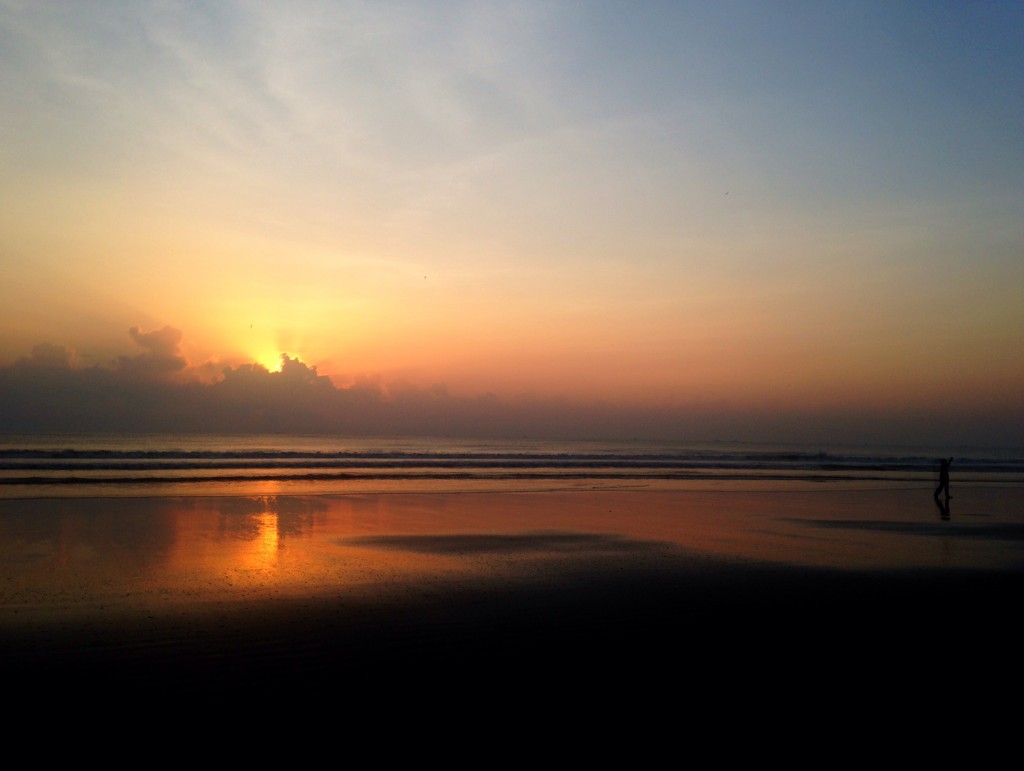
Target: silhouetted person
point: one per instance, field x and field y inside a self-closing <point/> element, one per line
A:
<point x="943" y="478"/>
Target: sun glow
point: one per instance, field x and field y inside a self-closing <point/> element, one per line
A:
<point x="271" y="360"/>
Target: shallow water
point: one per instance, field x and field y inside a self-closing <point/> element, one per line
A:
<point x="92" y="555"/>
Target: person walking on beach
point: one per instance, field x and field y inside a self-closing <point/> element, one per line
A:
<point x="943" y="478"/>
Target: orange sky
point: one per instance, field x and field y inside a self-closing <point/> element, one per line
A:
<point x="735" y="205"/>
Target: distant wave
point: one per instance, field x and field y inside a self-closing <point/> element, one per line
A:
<point x="28" y="466"/>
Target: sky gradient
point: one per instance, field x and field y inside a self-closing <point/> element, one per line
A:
<point x="744" y="220"/>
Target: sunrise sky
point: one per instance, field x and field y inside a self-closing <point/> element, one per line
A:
<point x="745" y="209"/>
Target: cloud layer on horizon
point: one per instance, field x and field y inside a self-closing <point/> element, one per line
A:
<point x="157" y="391"/>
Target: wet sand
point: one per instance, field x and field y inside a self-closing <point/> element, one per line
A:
<point x="576" y="593"/>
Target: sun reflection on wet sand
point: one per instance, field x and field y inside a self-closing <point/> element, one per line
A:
<point x="170" y="551"/>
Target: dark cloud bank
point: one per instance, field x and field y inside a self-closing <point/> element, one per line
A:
<point x="156" y="391"/>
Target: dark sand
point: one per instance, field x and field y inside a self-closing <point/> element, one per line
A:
<point x="567" y="597"/>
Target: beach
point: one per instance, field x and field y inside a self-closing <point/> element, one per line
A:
<point x="589" y="589"/>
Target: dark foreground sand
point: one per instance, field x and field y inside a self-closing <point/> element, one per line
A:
<point x="562" y="598"/>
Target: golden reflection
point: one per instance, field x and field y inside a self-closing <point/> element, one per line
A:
<point x="256" y="543"/>
<point x="181" y="550"/>
<point x="266" y="489"/>
<point x="264" y="552"/>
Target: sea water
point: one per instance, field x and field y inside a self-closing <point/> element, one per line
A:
<point x="100" y="465"/>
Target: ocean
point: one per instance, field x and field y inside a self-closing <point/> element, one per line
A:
<point x="142" y="465"/>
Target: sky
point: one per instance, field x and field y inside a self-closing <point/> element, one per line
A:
<point x="707" y="220"/>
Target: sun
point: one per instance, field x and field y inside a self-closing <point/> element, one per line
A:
<point x="270" y="360"/>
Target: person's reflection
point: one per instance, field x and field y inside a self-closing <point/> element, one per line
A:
<point x="943" y="504"/>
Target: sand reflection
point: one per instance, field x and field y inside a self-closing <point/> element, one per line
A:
<point x="177" y="551"/>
